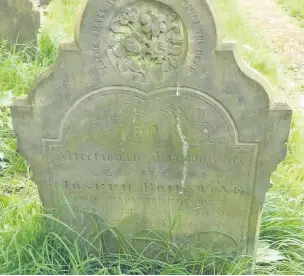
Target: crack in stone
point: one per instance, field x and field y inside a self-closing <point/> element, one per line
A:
<point x="134" y="117"/>
<point x="185" y="144"/>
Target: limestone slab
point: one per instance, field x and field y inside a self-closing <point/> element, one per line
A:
<point x="150" y="123"/>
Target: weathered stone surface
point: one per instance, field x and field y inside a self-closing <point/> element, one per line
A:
<point x="146" y="121"/>
<point x="19" y="21"/>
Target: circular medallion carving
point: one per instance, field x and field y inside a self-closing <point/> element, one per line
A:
<point x="147" y="42"/>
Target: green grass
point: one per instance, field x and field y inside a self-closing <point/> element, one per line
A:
<point x="257" y="52"/>
<point x="282" y="227"/>
<point x="59" y="26"/>
<point x="39" y="245"/>
<point x="295" y="8"/>
<point x="29" y="246"/>
<point x="17" y="70"/>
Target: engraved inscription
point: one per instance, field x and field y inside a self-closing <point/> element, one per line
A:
<point x="131" y="150"/>
<point x="148" y="42"/>
<point x="98" y="58"/>
<point x="191" y="11"/>
<point x="101" y="16"/>
<point x="161" y="187"/>
<point x="155" y="157"/>
<point x="198" y="52"/>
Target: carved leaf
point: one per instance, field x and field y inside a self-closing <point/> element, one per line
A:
<point x="131" y="45"/>
<point x="146" y="28"/>
<point x="174" y="27"/>
<point x="115" y="28"/>
<point x="163" y="27"/>
<point x="125" y="65"/>
<point x="155" y="30"/>
<point x="176" y="50"/>
<point x="117" y="51"/>
<point x="172" y="17"/>
<point x="177" y="39"/>
<point x="173" y="61"/>
<point x="136" y="66"/>
<point x="166" y="64"/>
<point x="113" y="44"/>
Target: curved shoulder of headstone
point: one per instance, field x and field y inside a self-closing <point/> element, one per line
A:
<point x="277" y="125"/>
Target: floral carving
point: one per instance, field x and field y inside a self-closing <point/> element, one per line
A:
<point x="148" y="42"/>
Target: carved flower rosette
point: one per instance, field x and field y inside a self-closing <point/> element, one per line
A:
<point x="147" y="42"/>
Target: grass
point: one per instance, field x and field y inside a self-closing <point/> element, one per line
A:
<point x="30" y="246"/>
<point x="17" y="70"/>
<point x="257" y="52"/>
<point x="295" y="8"/>
<point x="40" y="245"/>
<point x="59" y="26"/>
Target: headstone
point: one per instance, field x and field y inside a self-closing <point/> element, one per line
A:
<point x="150" y="124"/>
<point x="19" y="21"/>
<point x="43" y="2"/>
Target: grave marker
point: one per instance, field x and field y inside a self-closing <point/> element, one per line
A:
<point x="149" y="123"/>
<point x="43" y="2"/>
<point x="19" y="21"/>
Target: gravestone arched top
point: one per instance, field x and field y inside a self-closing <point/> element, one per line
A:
<point x="98" y="29"/>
